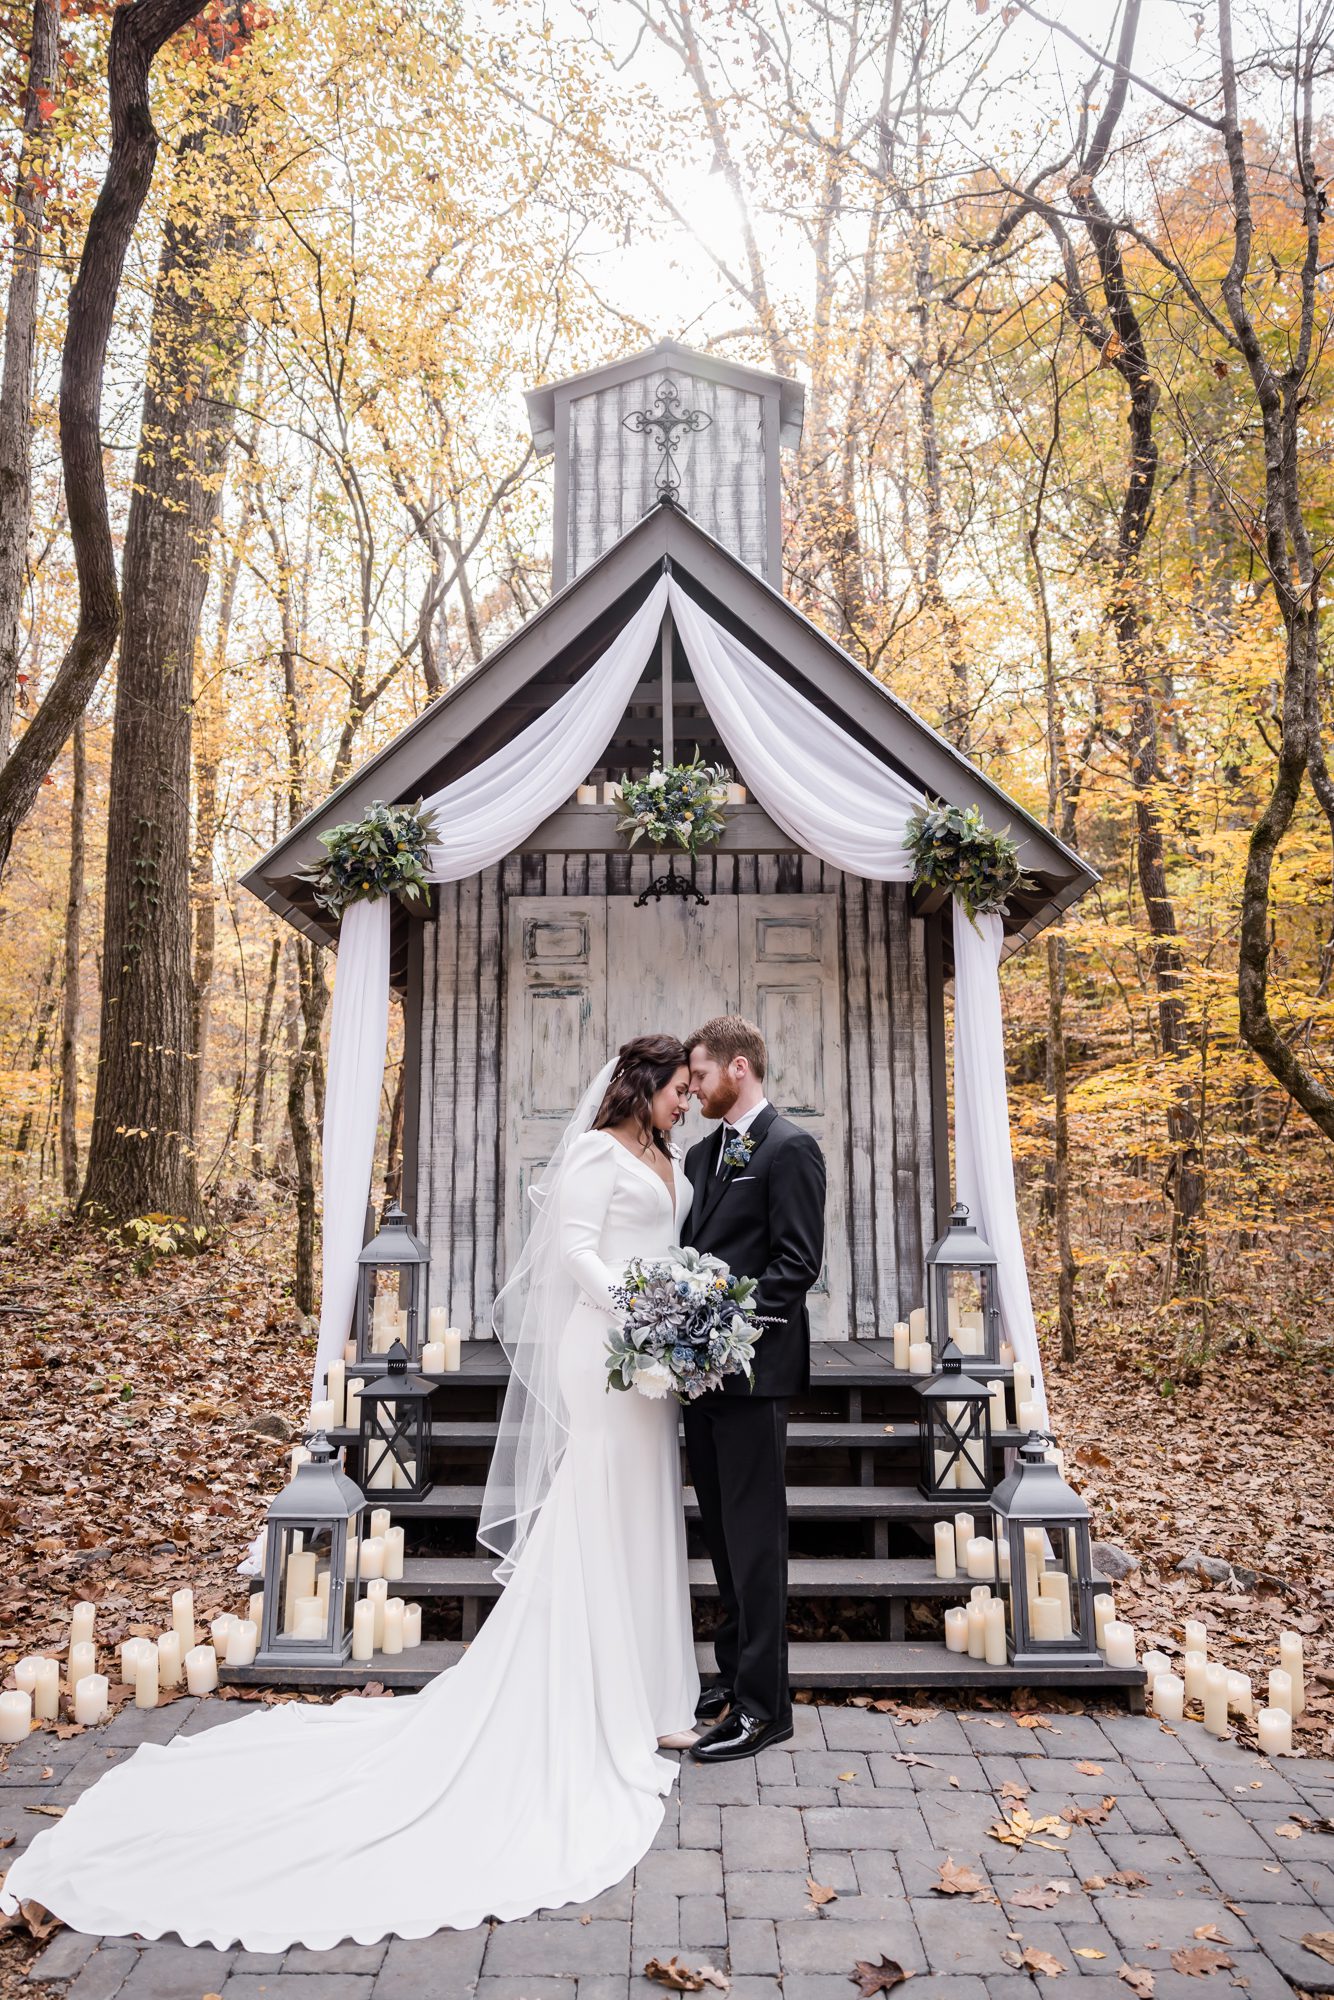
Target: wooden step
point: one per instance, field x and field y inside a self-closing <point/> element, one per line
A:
<point x="802" y="1434"/>
<point x="849" y="1364"/>
<point x="871" y="1665"/>
<point x="807" y="1576"/>
<point x="804" y="1503"/>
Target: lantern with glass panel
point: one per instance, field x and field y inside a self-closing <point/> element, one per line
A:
<point x="1047" y="1583"/>
<point x="392" y="1275"/>
<point x="311" y="1562"/>
<point x="954" y="1421"/>
<point x="394" y="1429"/>
<point x="962" y="1297"/>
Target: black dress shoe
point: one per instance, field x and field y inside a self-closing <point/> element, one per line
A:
<point x="741" y="1735"/>
<point x="713" y="1702"/>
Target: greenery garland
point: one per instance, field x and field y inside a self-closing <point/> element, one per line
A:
<point x="383" y="854"/>
<point x="680" y="806"/>
<point x="954" y="848"/>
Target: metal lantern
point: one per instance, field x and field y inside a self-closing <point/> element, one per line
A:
<point x="1047" y="1583"/>
<point x="309" y="1529"/>
<point x="954" y="1417"/>
<point x="962" y="1295"/>
<point x="395" y="1429"/>
<point x="393" y="1264"/>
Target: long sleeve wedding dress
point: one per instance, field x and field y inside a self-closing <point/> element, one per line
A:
<point x="524" y="1777"/>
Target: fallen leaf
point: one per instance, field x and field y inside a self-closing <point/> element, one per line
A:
<point x="1014" y="1791"/>
<point x="914" y="1716"/>
<point x="1090" y="1770"/>
<point x="586" y="1918"/>
<point x="1033" y="1897"/>
<point x="911" y="1757"/>
<point x="1321" y="1943"/>
<point x="1129" y="1878"/>
<point x="1019" y="1827"/>
<point x="672" y="1974"/>
<point x="1288" y="1831"/>
<point x="712" y="1977"/>
<point x="959" y="1880"/>
<point x="1031" y="1722"/>
<point x="1087" y="1951"/>
<point x="847" y="1777"/>
<point x="954" y="1782"/>
<point x="64" y="1730"/>
<point x="1210" y="1933"/>
<point x="51" y="1812"/>
<point x="1033" y="1960"/>
<point x="1138" y="1978"/>
<point x="1200" y="1961"/>
<point x="882" y="1978"/>
<point x="1094" y="1882"/>
<point x="1088" y="1815"/>
<point x="821" y="1893"/>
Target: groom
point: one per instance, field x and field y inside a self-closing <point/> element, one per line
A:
<point x="759" y="1185"/>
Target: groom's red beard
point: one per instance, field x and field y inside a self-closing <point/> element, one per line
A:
<point x="722" y="1098"/>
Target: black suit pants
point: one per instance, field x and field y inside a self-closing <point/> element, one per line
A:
<point x="736" y="1447"/>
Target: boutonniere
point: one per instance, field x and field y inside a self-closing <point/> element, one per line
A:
<point x="737" y="1149"/>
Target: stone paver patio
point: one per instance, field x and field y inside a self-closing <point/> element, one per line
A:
<point x="726" y="1880"/>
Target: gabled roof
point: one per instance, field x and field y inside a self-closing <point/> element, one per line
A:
<point x="486" y="708"/>
<point x="666" y="354"/>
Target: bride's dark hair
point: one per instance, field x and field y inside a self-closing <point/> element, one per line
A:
<point x="642" y="1068"/>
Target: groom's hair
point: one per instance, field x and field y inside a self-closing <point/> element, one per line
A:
<point x="731" y="1035"/>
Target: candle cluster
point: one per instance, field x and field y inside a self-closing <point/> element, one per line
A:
<point x="1221" y="1692"/>
<point x="978" y="1627"/>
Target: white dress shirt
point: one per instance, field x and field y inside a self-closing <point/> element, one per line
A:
<point x="741" y="1124"/>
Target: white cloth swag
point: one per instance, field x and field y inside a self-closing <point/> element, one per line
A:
<point x="833" y="798"/>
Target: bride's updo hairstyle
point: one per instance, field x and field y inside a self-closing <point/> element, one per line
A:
<point x="642" y="1068"/>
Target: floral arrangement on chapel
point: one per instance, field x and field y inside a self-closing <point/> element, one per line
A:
<point x="954" y="848"/>
<point x="688" y="1323"/>
<point x="680" y="805"/>
<point x="383" y="854"/>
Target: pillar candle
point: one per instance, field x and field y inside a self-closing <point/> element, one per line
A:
<point x="1196" y="1638"/>
<point x="917" y="1323"/>
<point x="1215" y="1699"/>
<point x="412" y="1626"/>
<point x="1274" y="1726"/>
<point x="15" y="1715"/>
<point x="901" y="1345"/>
<point x="979" y="1593"/>
<point x="372" y="1555"/>
<point x="1280" y="1689"/>
<point x="968" y="1339"/>
<point x="169" y="1656"/>
<point x="981" y="1556"/>
<point x="977" y="1631"/>
<point x="393" y="1625"/>
<point x="611" y="793"/>
<point x="1023" y="1387"/>
<point x="220" y="1627"/>
<point x="966" y="1473"/>
<point x="1169" y="1697"/>
<point x="308" y="1620"/>
<point x="335" y="1388"/>
<point x="404" y="1475"/>
<point x="377" y="1590"/>
<point x="90" y="1699"/>
<point x="946" y="1563"/>
<point x="349" y="1351"/>
<point x="1045" y="1621"/>
<point x="322" y="1589"/>
<point x="1028" y="1415"/>
<point x="299" y="1582"/>
<point x="201" y="1670"/>
<point x="433" y="1358"/>
<point x="83" y="1620"/>
<point x="145" y="1679"/>
<point x="993" y="1624"/>
<point x="363" y="1630"/>
<point x="1193" y="1665"/>
<point x="1006" y="1355"/>
<point x="956" y="1628"/>
<point x="255" y="1609"/>
<point x="1104" y="1610"/>
<point x="946" y="1470"/>
<point x="1003" y="1554"/>
<point x="393" y="1553"/>
<point x="129" y="1651"/>
<point x="46" y="1691"/>
<point x="241" y="1643"/>
<point x="1290" y="1659"/>
<point x="999" y="1422"/>
<point x="963" y="1534"/>
<point x="380" y="1520"/>
<point x="437" y="1320"/>
<point x="1153" y="1665"/>
<point x="1055" y="1583"/>
<point x="299" y="1456"/>
<point x="920" y="1358"/>
<point x="1240" y="1699"/>
<point x="183" y="1617"/>
<point x="321" y="1416"/>
<point x="453" y="1349"/>
<point x="82" y="1661"/>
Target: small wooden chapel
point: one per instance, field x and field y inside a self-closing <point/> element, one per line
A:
<point x="519" y="981"/>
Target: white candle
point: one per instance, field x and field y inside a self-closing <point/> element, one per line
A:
<point x="1104" y="1611"/>
<point x="83" y="1621"/>
<point x="169" y="1656"/>
<point x="220" y="1628"/>
<point x="380" y="1520"/>
<point x="145" y="1679"/>
<point x="611" y="793"/>
<point x="404" y="1475"/>
<point x="993" y="1621"/>
<point x="299" y="1582"/>
<point x="321" y="1416"/>
<point x="299" y="1456"/>
<point x="308" y="1621"/>
<point x="736" y="795"/>
<point x="979" y="1593"/>
<point x="372" y="1555"/>
<point x="956" y="1628"/>
<point x="1045" y="1621"/>
<point x="82" y="1661"/>
<point x="1290" y="1659"/>
<point x="433" y="1358"/>
<point x="1280" y="1689"/>
<point x="1215" y="1699"/>
<point x="1153" y="1665"/>
<point x="130" y="1650"/>
<point x="963" y="1534"/>
<point x="437" y="1320"/>
<point x="255" y="1609"/>
<point x="946" y="1563"/>
<point x="901" y="1345"/>
<point x="1004" y="1554"/>
<point x="977" y="1631"/>
<point x="1275" y="1730"/>
<point x="46" y="1691"/>
<point x="981" y="1556"/>
<point x="335" y="1384"/>
<point x="1055" y="1583"/>
<point x="201" y="1670"/>
<point x="377" y="1592"/>
<point x="947" y="1471"/>
<point x="90" y="1699"/>
<point x="412" y="1626"/>
<point x="998" y="1417"/>
<point x="15" y="1715"/>
<point x="349" y="1352"/>
<point x="1240" y="1698"/>
<point x="1028" y="1416"/>
<point x="585" y="795"/>
<point x="920" y="1358"/>
<point x="1196" y="1637"/>
<point x="241" y="1643"/>
<point x="1193" y="1665"/>
<point x="453" y="1350"/>
<point x="1006" y="1355"/>
<point x="393" y="1625"/>
<point x="968" y="1339"/>
<point x="1169" y="1697"/>
<point x="966" y="1473"/>
<point x="363" y="1630"/>
<point x="322" y="1588"/>
<point x="1022" y="1379"/>
<point x="393" y="1553"/>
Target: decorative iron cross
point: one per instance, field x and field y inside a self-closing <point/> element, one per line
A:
<point x="665" y="420"/>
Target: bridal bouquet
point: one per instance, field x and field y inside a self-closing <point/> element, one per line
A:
<point x="688" y="1323"/>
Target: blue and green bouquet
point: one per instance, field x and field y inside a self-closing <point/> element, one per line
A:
<point x="688" y="1324"/>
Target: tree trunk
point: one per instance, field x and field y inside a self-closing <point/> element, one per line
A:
<point x="20" y="344"/>
<point x="1060" y="1160"/>
<point x="69" y="1018"/>
<point x="301" y="1047"/>
<point x="142" y="1156"/>
<point x="138" y="31"/>
<point x="263" y="1060"/>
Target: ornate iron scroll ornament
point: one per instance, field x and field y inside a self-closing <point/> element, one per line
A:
<point x="666" y="421"/>
<point x="670" y="884"/>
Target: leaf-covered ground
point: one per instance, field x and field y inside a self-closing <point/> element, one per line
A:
<point x="129" y="1465"/>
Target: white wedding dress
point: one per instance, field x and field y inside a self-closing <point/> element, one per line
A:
<point x="524" y="1777"/>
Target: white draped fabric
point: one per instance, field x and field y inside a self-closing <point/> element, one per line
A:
<point x="832" y="797"/>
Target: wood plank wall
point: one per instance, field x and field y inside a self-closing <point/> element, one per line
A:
<point x="888" y="1153"/>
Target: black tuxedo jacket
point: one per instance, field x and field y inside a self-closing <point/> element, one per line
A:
<point x="766" y="1220"/>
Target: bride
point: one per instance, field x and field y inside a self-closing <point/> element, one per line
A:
<point x="528" y="1775"/>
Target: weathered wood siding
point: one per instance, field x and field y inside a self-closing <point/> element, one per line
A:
<point x="885" y="1115"/>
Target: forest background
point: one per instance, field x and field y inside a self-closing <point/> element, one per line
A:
<point x="1056" y="282"/>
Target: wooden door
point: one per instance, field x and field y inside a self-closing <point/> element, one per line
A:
<point x="672" y="965"/>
